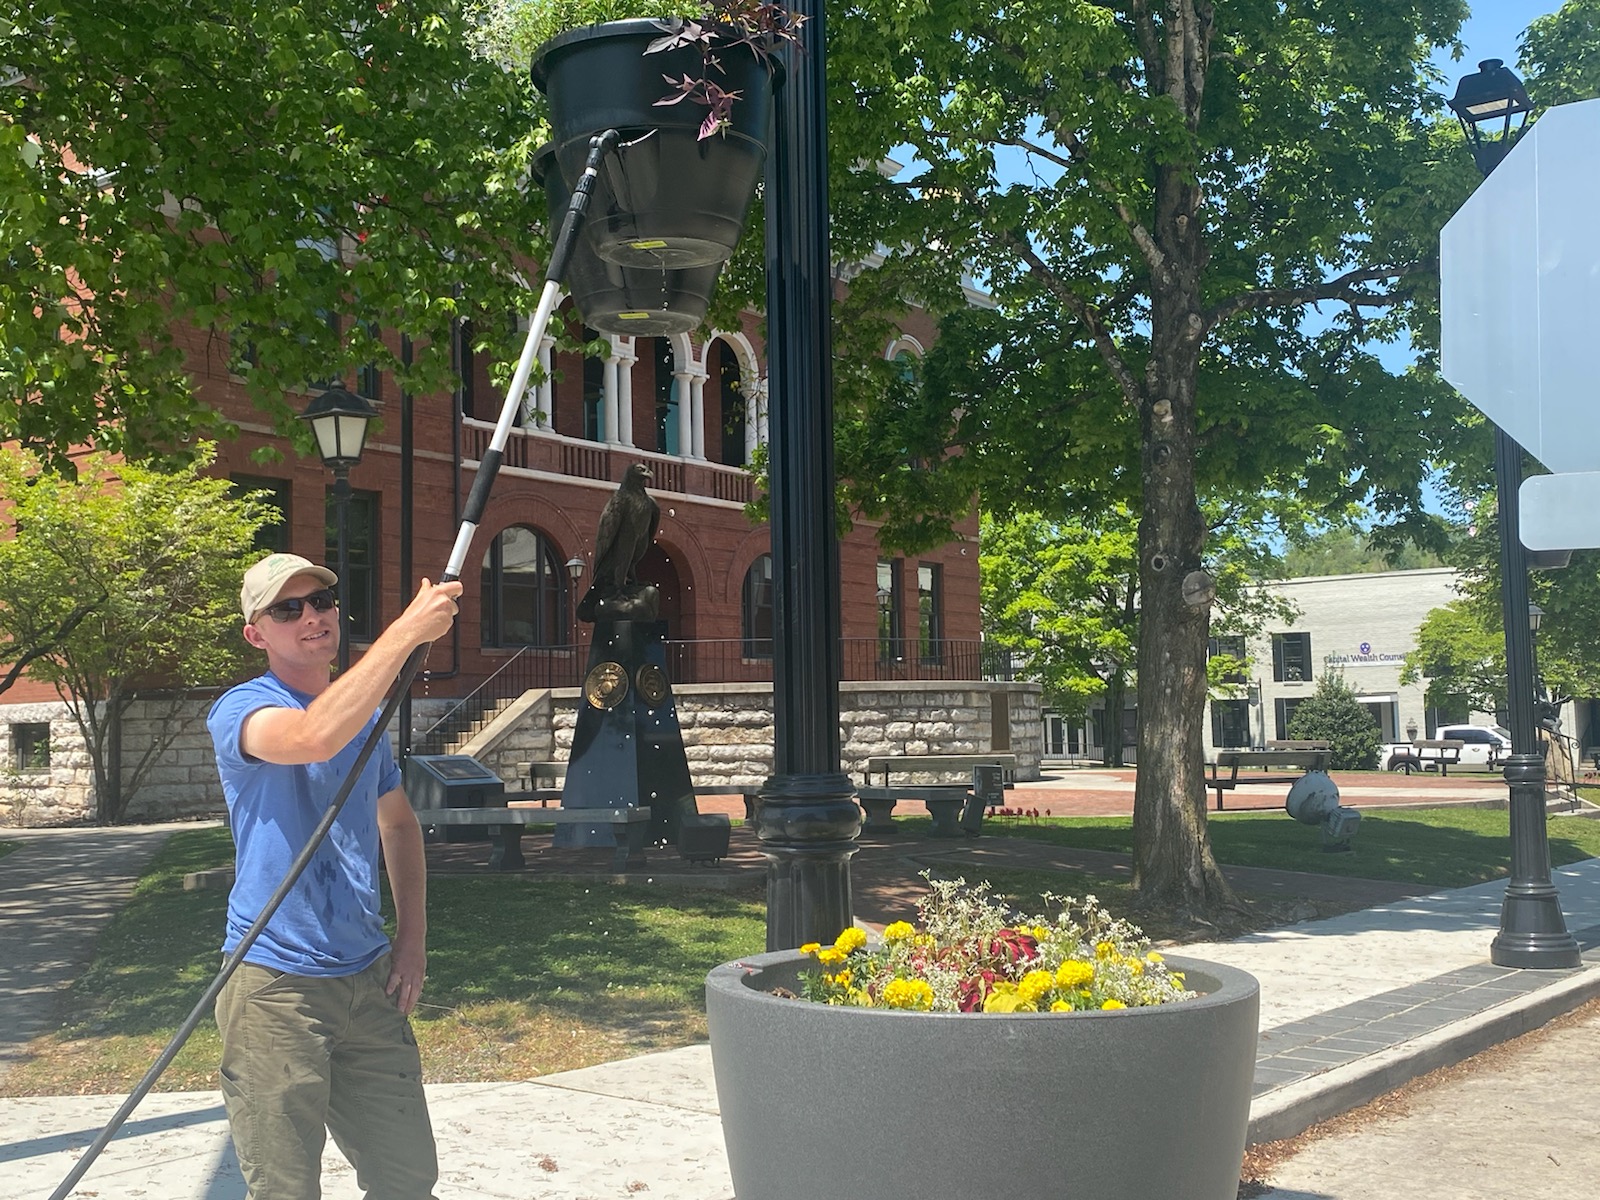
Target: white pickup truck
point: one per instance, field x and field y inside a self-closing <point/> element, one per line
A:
<point x="1484" y="748"/>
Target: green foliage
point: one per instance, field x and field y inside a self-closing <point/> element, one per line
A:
<point x="1304" y="174"/>
<point x="1153" y="199"/>
<point x="1446" y="847"/>
<point x="1063" y="597"/>
<point x="1341" y="550"/>
<point x="1561" y="55"/>
<point x="251" y="169"/>
<point x="1332" y="714"/>
<point x="511" y="30"/>
<point x="123" y="578"/>
<point x="1462" y="658"/>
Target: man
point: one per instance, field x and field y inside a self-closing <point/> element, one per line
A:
<point x="315" y="1035"/>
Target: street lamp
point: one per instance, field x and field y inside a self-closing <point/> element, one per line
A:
<point x="808" y="820"/>
<point x="1532" y="931"/>
<point x="575" y="566"/>
<point x="339" y="420"/>
<point x="1494" y="93"/>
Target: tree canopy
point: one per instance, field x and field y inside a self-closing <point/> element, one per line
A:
<point x="257" y="172"/>
<point x="1193" y="221"/>
<point x="149" y="563"/>
<point x="1063" y="597"/>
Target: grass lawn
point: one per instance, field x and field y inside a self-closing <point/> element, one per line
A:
<point x="524" y="977"/>
<point x="1443" y="847"/>
<point x="527" y="977"/>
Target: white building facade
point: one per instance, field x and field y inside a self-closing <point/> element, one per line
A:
<point x="1361" y="626"/>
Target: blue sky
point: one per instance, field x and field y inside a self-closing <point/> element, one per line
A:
<point x="1492" y="32"/>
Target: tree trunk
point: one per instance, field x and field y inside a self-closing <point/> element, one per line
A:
<point x="1172" y="859"/>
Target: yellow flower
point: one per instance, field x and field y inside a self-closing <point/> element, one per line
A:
<point x="1002" y="998"/>
<point x="1073" y="973"/>
<point x="1060" y="1006"/>
<point x="1032" y="986"/>
<point x="1135" y="966"/>
<point x="851" y="939"/>
<point x="909" y="993"/>
<point x="830" y="955"/>
<point x="843" y="978"/>
<point x="898" y="931"/>
<point x="1040" y="932"/>
<point x="1104" y="949"/>
<point x="810" y="947"/>
<point x="1153" y="957"/>
<point x="1113" y="1004"/>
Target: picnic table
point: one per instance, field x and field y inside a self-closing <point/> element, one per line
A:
<point x="928" y="764"/>
<point x="1443" y="753"/>
<point x="943" y="801"/>
<point x="506" y="826"/>
<point x="1226" y="767"/>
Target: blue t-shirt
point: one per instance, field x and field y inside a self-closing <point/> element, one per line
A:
<point x="330" y="923"/>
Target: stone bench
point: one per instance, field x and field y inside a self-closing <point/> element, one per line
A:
<point x="943" y="802"/>
<point x="631" y="826"/>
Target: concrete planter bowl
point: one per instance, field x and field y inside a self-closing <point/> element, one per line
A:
<point x="1133" y="1104"/>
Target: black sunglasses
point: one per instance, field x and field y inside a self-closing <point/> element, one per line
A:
<point x="291" y="609"/>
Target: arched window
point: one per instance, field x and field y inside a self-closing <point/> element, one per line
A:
<point x="735" y="412"/>
<point x="594" y="400"/>
<point x="667" y="399"/>
<point x="524" y="591"/>
<point x="757" y="608"/>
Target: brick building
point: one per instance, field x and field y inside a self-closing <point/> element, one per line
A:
<point x="692" y="409"/>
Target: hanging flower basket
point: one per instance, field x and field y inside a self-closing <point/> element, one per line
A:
<point x="627" y="301"/>
<point x="674" y="199"/>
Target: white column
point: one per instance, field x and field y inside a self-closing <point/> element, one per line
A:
<point x="686" y="426"/>
<point x="546" y="401"/>
<point x="626" y="357"/>
<point x="763" y="434"/>
<point x="608" y="394"/>
<point x="697" y="416"/>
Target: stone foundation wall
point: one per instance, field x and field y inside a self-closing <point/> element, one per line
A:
<point x="180" y="784"/>
<point x="728" y="728"/>
<point x="727" y="736"/>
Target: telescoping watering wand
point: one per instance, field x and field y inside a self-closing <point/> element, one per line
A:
<point x="477" y="500"/>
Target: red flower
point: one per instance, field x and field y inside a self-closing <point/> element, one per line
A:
<point x="1012" y="946"/>
<point x="969" y="997"/>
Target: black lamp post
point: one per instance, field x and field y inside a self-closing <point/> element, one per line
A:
<point x="575" y="566"/>
<point x="339" y="419"/>
<point x="1532" y="930"/>
<point x="808" y="819"/>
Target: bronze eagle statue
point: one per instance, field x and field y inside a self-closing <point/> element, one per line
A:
<point x="627" y="530"/>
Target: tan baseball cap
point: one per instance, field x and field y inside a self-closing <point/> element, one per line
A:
<point x="265" y="581"/>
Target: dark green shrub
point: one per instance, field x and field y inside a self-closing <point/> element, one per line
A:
<point x="1332" y="714"/>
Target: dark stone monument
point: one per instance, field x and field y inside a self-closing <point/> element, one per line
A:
<point x="627" y="750"/>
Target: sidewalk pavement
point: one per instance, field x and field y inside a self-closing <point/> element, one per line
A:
<point x="1352" y="1007"/>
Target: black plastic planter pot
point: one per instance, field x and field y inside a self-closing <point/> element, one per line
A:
<point x="630" y="301"/>
<point x="674" y="200"/>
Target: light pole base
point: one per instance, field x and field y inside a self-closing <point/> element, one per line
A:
<point x="807" y="826"/>
<point x="1533" y="934"/>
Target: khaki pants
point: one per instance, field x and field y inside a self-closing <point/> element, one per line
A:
<point x="303" y="1055"/>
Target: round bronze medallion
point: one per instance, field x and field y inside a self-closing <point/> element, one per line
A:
<point x="652" y="681"/>
<point x="606" y="685"/>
